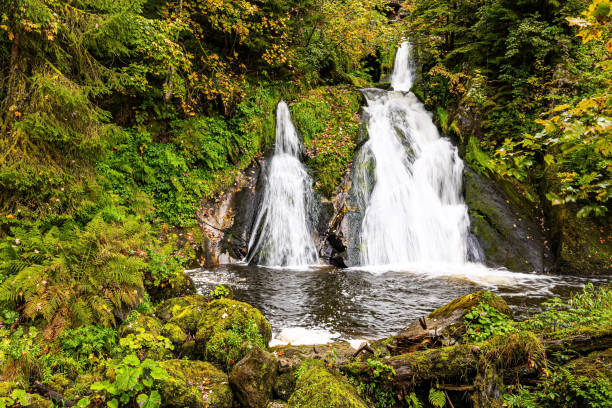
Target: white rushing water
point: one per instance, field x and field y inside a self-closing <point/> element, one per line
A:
<point x="409" y="180"/>
<point x="281" y="234"/>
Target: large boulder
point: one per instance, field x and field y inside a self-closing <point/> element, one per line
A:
<point x="228" y="329"/>
<point x="174" y="306"/>
<point x="509" y="228"/>
<point x="194" y="384"/>
<point x="446" y="323"/>
<point x="141" y="333"/>
<point x="221" y="331"/>
<point x="319" y="388"/>
<point x="253" y="378"/>
<point x="138" y="323"/>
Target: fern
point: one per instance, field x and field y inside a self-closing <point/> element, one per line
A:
<point x="437" y="398"/>
<point x="79" y="276"/>
<point x="413" y="401"/>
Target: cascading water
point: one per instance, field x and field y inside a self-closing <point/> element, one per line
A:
<point x="409" y="182"/>
<point x="281" y="234"/>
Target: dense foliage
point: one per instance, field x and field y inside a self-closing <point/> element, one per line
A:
<point x="540" y="94"/>
<point x="118" y="118"/>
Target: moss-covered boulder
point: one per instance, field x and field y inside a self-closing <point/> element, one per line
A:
<point x="195" y="384"/>
<point x="180" y="284"/>
<point x="228" y="329"/>
<point x="138" y="322"/>
<point x="17" y="394"/>
<point x="253" y="378"/>
<point x="221" y="331"/>
<point x="319" y="388"/>
<point x="446" y="322"/>
<point x="175" y="306"/>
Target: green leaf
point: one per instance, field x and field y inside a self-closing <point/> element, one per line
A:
<point x="83" y="402"/>
<point x="132" y="360"/>
<point x="114" y="403"/>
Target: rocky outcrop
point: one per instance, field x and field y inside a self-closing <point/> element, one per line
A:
<point x="226" y="222"/>
<point x="510" y="231"/>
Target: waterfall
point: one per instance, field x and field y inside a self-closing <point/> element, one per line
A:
<point x="281" y="235"/>
<point x="409" y="181"/>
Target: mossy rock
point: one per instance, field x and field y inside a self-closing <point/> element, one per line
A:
<point x="180" y="284"/>
<point x="319" y="388"/>
<point x="447" y="321"/>
<point x="467" y="302"/>
<point x="383" y="85"/>
<point x="58" y="382"/>
<point x="34" y="400"/>
<point x="252" y="378"/>
<point x="597" y="365"/>
<point x="194" y="384"/>
<point x="228" y="329"/>
<point x="174" y="332"/>
<point x="139" y="322"/>
<point x="169" y="308"/>
<point x="584" y="246"/>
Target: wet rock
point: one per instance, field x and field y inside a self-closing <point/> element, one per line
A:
<point x="508" y="228"/>
<point x="253" y="378"/>
<point x="583" y="246"/>
<point x="226" y="223"/>
<point x="292" y="356"/>
<point x="445" y="324"/>
<point x="195" y="384"/>
<point x="317" y="387"/>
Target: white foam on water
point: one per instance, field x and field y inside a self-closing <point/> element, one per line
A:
<point x="299" y="336"/>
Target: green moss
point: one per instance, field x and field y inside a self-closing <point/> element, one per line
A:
<point x="194" y="384"/>
<point x="317" y="387"/>
<point x="139" y="322"/>
<point x="173" y="307"/>
<point x="328" y="119"/>
<point x="229" y="329"/>
<point x="174" y="333"/>
<point x="468" y="301"/>
<point x="596" y="365"/>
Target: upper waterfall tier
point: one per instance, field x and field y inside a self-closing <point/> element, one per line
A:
<point x="409" y="182"/>
<point x="281" y="235"/>
<point x="403" y="68"/>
